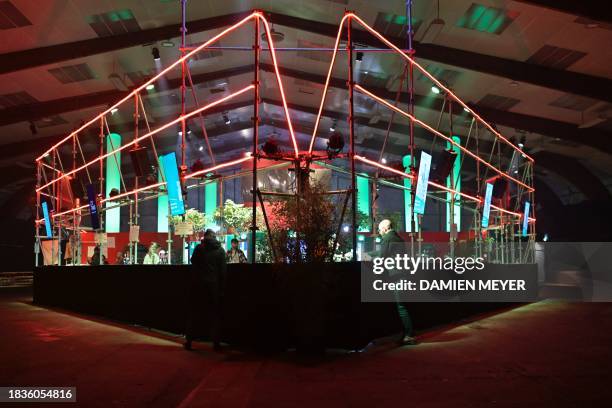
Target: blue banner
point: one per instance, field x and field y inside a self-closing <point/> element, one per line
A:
<point x="173" y="183"/>
<point x="93" y="207"/>
<point x="423" y="179"/>
<point x="526" y="218"/>
<point x="487" y="206"/>
<point x="45" y="209"/>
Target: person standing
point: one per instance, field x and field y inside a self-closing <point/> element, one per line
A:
<point x="391" y="242"/>
<point x="235" y="254"/>
<point x="208" y="281"/>
<point x="152" y="258"/>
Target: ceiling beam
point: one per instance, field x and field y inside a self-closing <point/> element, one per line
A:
<point x="52" y="107"/>
<point x="566" y="81"/>
<point x="592" y="137"/>
<point x="595" y="10"/>
<point x="18" y="60"/>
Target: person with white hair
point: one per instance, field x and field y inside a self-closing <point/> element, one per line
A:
<point x="391" y="242"/>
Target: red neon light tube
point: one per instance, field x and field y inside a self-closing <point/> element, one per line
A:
<point x="438" y="83"/>
<point x="279" y="81"/>
<point x="155" y="131"/>
<point x="434" y="184"/>
<point x="219" y="166"/>
<point x="150" y="81"/>
<point x="448" y="139"/>
<point x="114" y="198"/>
<point x="324" y="95"/>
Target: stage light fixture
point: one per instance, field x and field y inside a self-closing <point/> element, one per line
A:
<point x="521" y="143"/>
<point x="226" y="118"/>
<point x="270" y="147"/>
<point x="435" y="89"/>
<point x="384" y="161"/>
<point x="332" y="128"/>
<point x="150" y="87"/>
<point x="335" y="144"/>
<point x="201" y="148"/>
<point x="359" y="56"/>
<point x="114" y="110"/>
<point x="33" y="128"/>
<point x="155" y="53"/>
<point x="180" y="132"/>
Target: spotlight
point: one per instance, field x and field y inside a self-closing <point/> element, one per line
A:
<point x="335" y="144"/>
<point x="270" y="147"/>
<point x="332" y="128"/>
<point x="114" y="110"/>
<point x="384" y="161"/>
<point x="346" y="228"/>
<point x="201" y="148"/>
<point x="359" y="56"/>
<point x="150" y="87"/>
<point x="155" y="53"/>
<point x="180" y="132"/>
<point x="197" y="166"/>
<point x="466" y="110"/>
<point x="226" y="118"/>
<point x="435" y="89"/>
<point x="521" y="144"/>
<point x="33" y="128"/>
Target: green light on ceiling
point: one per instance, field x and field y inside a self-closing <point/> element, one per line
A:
<point x="485" y="19"/>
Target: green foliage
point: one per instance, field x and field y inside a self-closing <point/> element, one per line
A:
<point x="196" y="218"/>
<point x="234" y="216"/>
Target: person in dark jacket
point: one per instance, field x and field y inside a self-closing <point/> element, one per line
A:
<point x="392" y="244"/>
<point x="208" y="281"/>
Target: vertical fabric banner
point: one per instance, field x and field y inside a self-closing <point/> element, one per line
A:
<point x="173" y="183"/>
<point x="113" y="181"/>
<point x="363" y="201"/>
<point x="422" y="183"/>
<point x="162" y="203"/>
<point x="487" y="206"/>
<point x="210" y="203"/>
<point x="407" y="198"/>
<point x="456" y="185"/>
<point x="526" y="218"/>
<point x="45" y="209"/>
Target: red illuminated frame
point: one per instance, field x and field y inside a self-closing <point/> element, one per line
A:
<point x="434" y="184"/>
<point x="443" y="136"/>
<point x="414" y="63"/>
<point x="254" y="15"/>
<point x="156" y="185"/>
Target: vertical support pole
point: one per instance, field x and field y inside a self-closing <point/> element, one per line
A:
<point x="352" y="138"/>
<point x="255" y="141"/>
<point x="101" y="176"/>
<point x="136" y="213"/>
<point x="183" y="85"/>
<point x="37" y="246"/>
<point x="413" y="226"/>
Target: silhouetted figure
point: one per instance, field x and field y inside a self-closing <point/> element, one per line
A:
<point x="97" y="258"/>
<point x="207" y="283"/>
<point x="391" y="242"/>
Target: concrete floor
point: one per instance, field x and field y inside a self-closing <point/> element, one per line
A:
<point x="541" y="355"/>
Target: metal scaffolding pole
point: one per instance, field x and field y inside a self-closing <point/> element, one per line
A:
<point x="256" y="51"/>
<point x="352" y="138"/>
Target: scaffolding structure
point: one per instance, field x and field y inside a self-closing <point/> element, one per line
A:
<point x="507" y="218"/>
